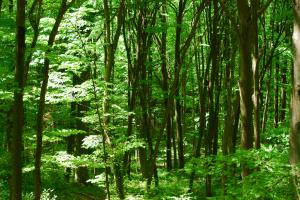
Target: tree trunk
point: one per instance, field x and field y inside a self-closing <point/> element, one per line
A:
<point x="81" y="173"/>
<point x="276" y="98"/>
<point x="255" y="5"/>
<point x="202" y="92"/>
<point x="246" y="77"/>
<point x="1" y="2"/>
<point x="111" y="43"/>
<point x="266" y="102"/>
<point x="132" y="83"/>
<point x="177" y="66"/>
<point x="41" y="107"/>
<point x="18" y="109"/>
<point x="165" y="86"/>
<point x="283" y="93"/>
<point x="294" y="151"/>
<point x="213" y="92"/>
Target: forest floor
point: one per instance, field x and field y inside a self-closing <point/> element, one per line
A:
<point x="78" y="192"/>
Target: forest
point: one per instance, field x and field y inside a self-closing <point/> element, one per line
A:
<point x="149" y="99"/>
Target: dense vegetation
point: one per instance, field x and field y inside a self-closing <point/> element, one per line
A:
<point x="149" y="99"/>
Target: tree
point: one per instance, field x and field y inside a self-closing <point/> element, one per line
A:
<point x="246" y="75"/>
<point x="18" y="110"/>
<point x="294" y="152"/>
<point x="111" y="40"/>
<point x="41" y="107"/>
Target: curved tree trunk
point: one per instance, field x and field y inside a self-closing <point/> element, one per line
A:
<point x="41" y="107"/>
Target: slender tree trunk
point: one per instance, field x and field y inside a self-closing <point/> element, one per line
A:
<point x="34" y="16"/>
<point x="41" y="107"/>
<point x="202" y="92"/>
<point x="1" y="2"/>
<point x="283" y="94"/>
<point x="276" y="96"/>
<point x="178" y="61"/>
<point x="294" y="151"/>
<point x="18" y="109"/>
<point x="81" y="173"/>
<point x="266" y="102"/>
<point x="70" y="150"/>
<point x="180" y="53"/>
<point x="111" y="43"/>
<point x="213" y="96"/>
<point x="174" y="147"/>
<point x="131" y="97"/>
<point x="227" y="141"/>
<point x="227" y="146"/>
<point x="255" y="5"/>
<point x="165" y="86"/>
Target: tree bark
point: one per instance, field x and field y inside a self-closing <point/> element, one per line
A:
<point x="202" y="92"/>
<point x="165" y="86"/>
<point x="266" y="102"/>
<point x="213" y="94"/>
<point x="246" y="76"/>
<point x="294" y="140"/>
<point x="276" y="96"/>
<point x="283" y="94"/>
<point x="111" y="43"/>
<point x="41" y="107"/>
<point x="132" y="84"/>
<point x="1" y="2"/>
<point x="178" y="60"/>
<point x="18" y="110"/>
<point x="255" y="5"/>
<point x="81" y="173"/>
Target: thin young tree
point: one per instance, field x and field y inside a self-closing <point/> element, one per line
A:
<point x="64" y="6"/>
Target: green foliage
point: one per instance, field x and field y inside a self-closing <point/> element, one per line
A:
<point x="79" y="48"/>
<point x="4" y="174"/>
<point x="47" y="194"/>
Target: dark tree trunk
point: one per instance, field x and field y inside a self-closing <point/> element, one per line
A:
<point x="131" y="97"/>
<point x="246" y="77"/>
<point x="165" y="86"/>
<point x="255" y="6"/>
<point x="202" y="92"/>
<point x="81" y="173"/>
<point x="18" y="109"/>
<point x="174" y="147"/>
<point x="180" y="53"/>
<point x="227" y="141"/>
<point x="1" y="2"/>
<point x="70" y="150"/>
<point x="283" y="93"/>
<point x="111" y="42"/>
<point x="267" y="101"/>
<point x="178" y="63"/>
<point x="276" y="98"/>
<point x="213" y="92"/>
<point x="41" y="107"/>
